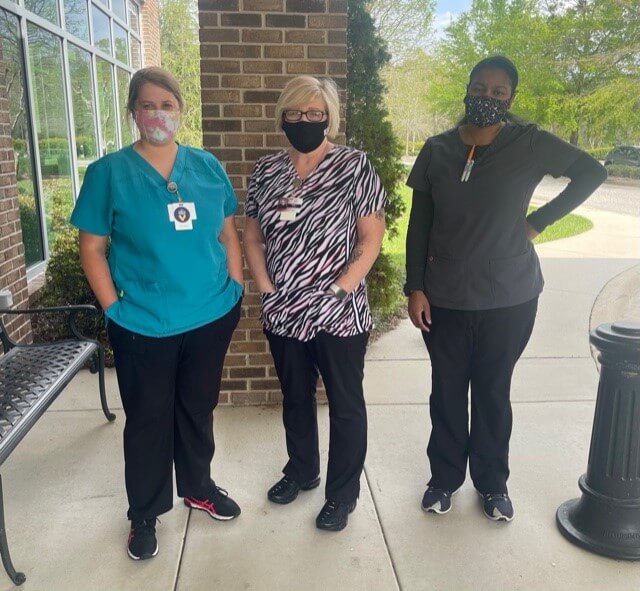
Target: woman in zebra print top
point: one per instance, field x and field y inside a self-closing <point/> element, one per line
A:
<point x="315" y="222"/>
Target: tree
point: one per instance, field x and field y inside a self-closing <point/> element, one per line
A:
<point x="411" y="113"/>
<point x="578" y="61"/>
<point x="180" y="54"/>
<point x="403" y="24"/>
<point x="369" y="129"/>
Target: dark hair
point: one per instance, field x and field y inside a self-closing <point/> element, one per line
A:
<point x="498" y="62"/>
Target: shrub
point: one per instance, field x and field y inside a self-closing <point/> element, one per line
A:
<point x="624" y="170"/>
<point x="66" y="285"/>
<point x="369" y="129"/>
<point x="599" y="153"/>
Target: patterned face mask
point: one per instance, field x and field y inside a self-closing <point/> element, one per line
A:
<point x="156" y="126"/>
<point x="483" y="111"/>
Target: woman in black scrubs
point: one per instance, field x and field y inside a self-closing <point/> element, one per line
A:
<point x="473" y="276"/>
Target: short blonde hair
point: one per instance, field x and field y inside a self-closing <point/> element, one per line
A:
<point x="301" y="90"/>
<point x="153" y="75"/>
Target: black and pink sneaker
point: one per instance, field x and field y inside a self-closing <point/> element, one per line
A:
<point x="218" y="504"/>
<point x="142" y="543"/>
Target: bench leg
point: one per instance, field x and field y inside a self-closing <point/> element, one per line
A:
<point x="17" y="578"/>
<point x="103" y="391"/>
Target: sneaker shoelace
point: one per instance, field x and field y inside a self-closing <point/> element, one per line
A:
<point x="145" y="526"/>
<point x="495" y="497"/>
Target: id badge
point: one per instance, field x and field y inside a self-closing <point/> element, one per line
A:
<point x="182" y="215"/>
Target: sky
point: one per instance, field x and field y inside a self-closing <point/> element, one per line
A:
<point x="446" y="10"/>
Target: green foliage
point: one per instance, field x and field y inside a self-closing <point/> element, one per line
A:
<point x="29" y="223"/>
<point x="368" y="126"/>
<point x="369" y="129"/>
<point x="624" y="171"/>
<point x="384" y="288"/>
<point x="180" y="55"/>
<point x="578" y="60"/>
<point x="66" y="285"/>
<point x="599" y="153"/>
<point x="403" y="24"/>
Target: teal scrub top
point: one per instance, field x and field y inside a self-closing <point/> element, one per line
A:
<point x="168" y="281"/>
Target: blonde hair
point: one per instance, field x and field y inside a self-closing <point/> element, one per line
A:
<point x="301" y="90"/>
<point x="157" y="76"/>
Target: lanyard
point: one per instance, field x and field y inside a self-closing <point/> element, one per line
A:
<point x="468" y="167"/>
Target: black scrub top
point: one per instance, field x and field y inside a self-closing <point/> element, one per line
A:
<point x="479" y="256"/>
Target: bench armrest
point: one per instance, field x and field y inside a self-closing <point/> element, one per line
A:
<point x="72" y="311"/>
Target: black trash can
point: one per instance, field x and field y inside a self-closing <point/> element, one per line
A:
<point x="606" y="519"/>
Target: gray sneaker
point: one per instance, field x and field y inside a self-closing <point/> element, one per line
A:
<point x="437" y="500"/>
<point x="497" y="506"/>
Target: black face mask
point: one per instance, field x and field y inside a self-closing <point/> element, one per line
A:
<point x="483" y="111"/>
<point x="305" y="136"/>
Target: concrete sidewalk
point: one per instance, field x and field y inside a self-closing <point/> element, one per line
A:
<point x="65" y="499"/>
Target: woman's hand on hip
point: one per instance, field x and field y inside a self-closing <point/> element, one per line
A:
<point x="420" y="310"/>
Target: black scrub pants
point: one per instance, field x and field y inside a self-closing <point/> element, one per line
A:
<point x="340" y="361"/>
<point x="479" y="348"/>
<point x="169" y="387"/>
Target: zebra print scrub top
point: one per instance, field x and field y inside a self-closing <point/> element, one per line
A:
<point x="305" y="256"/>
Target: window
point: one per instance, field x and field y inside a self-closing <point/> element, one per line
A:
<point x="76" y="16"/>
<point x="126" y="124"/>
<point x="107" y="107"/>
<point x="122" y="47"/>
<point x="50" y="118"/>
<point x="84" y="112"/>
<point x="28" y="203"/>
<point x="101" y="30"/>
<point x="49" y="100"/>
<point x="47" y="9"/>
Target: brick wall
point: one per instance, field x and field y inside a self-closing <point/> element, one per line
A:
<point x="150" y="17"/>
<point x="249" y="50"/>
<point x="12" y="265"/>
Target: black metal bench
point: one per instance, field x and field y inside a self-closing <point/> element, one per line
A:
<point x="31" y="377"/>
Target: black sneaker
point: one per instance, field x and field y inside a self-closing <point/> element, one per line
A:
<point x="497" y="506"/>
<point x="142" y="543"/>
<point x="286" y="490"/>
<point x="334" y="516"/>
<point x="437" y="500"/>
<point x="218" y="504"/>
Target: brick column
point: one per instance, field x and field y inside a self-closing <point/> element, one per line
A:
<point x="150" y="17"/>
<point x="249" y="50"/>
<point x="12" y="265"/>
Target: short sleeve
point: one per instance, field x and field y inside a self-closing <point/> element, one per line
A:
<point x="553" y="155"/>
<point x="418" y="176"/>
<point x="93" y="212"/>
<point x="230" y="200"/>
<point x="370" y="195"/>
<point x="250" y="204"/>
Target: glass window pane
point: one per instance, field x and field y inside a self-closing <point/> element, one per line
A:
<point x="118" y="7"/>
<point x="50" y="119"/>
<point x="104" y="2"/>
<point x="83" y="103"/>
<point x="121" y="37"/>
<point x="76" y="17"/>
<point x="136" y="54"/>
<point x="134" y="16"/>
<point x="126" y="124"/>
<point x="107" y="107"/>
<point x="45" y="8"/>
<point x="101" y="30"/>
<point x="13" y="70"/>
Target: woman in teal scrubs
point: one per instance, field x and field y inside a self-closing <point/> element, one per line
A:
<point x="171" y="289"/>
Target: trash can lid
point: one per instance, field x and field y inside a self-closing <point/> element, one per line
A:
<point x="623" y="334"/>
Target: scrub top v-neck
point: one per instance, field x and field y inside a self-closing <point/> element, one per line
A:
<point x="479" y="256"/>
<point x="168" y="280"/>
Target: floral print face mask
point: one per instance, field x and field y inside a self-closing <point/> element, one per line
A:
<point x="483" y="111"/>
<point x="156" y="126"/>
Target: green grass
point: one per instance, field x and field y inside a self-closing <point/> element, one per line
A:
<point x="571" y="225"/>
